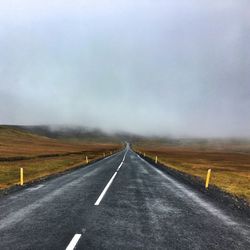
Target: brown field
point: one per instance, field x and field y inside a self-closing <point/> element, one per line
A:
<point x="41" y="156"/>
<point x="230" y="162"/>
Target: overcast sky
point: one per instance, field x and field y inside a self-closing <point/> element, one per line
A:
<point x="164" y="67"/>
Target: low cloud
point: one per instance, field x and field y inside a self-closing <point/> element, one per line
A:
<point x="150" y="67"/>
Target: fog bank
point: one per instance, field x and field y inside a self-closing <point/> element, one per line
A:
<point x="171" y="67"/>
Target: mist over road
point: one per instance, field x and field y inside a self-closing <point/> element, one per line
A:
<point x="121" y="202"/>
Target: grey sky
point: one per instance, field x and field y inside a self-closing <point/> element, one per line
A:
<point x="179" y="67"/>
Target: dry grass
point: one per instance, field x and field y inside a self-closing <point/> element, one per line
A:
<point x="41" y="167"/>
<point x="15" y="142"/>
<point x="230" y="164"/>
<point x="42" y="156"/>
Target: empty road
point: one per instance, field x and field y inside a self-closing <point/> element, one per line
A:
<point x="120" y="202"/>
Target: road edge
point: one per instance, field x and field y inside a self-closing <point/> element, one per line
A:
<point x="16" y="188"/>
<point x="226" y="200"/>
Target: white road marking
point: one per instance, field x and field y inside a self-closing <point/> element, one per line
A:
<point x="73" y="242"/>
<point x="35" y="188"/>
<point x="16" y="216"/>
<point x="105" y="190"/>
<point x="109" y="183"/>
<point x="119" y="166"/>
<point x="107" y="157"/>
<point x="125" y="156"/>
<point x="209" y="207"/>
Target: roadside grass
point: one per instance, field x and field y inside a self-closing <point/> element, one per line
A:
<point x="230" y="167"/>
<point x="41" y="156"/>
<point x="41" y="167"/>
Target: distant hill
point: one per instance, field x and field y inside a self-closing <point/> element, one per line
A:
<point x="67" y="133"/>
<point x="16" y="141"/>
<point x="83" y="134"/>
<point x="75" y="133"/>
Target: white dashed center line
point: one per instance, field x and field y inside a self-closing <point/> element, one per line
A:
<point x="110" y="182"/>
<point x="105" y="189"/>
<point x="73" y="242"/>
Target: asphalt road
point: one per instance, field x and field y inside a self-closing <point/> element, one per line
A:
<point x="121" y="202"/>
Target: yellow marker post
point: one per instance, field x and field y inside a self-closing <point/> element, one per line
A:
<point x="104" y="155"/>
<point x="156" y="159"/>
<point x="21" y="176"/>
<point x="144" y="154"/>
<point x="87" y="160"/>
<point x="208" y="178"/>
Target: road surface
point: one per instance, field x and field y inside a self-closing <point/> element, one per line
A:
<point x="121" y="202"/>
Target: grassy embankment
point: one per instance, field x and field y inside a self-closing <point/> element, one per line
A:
<point x="229" y="161"/>
<point x="41" y="156"/>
